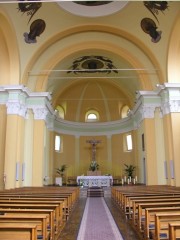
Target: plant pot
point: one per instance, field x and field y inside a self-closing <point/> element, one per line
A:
<point x="58" y="181"/>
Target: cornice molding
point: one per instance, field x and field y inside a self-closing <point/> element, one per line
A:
<point x="19" y="99"/>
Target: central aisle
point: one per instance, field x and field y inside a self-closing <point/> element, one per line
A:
<point x="97" y="222"/>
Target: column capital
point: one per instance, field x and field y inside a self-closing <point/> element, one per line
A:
<point x="40" y="113"/>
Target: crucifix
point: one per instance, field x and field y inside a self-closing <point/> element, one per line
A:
<point x="93" y="143"/>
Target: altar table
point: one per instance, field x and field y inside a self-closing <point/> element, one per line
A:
<point x="95" y="181"/>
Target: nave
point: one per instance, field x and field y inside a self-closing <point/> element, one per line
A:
<point x="70" y="231"/>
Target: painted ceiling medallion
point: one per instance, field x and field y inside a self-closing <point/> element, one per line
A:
<point x="92" y="8"/>
<point x="92" y="3"/>
<point x="92" y="64"/>
<point x="30" y="8"/>
<point x="155" y="7"/>
<point x="149" y="27"/>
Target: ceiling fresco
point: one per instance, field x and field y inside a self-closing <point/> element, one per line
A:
<point x="117" y="66"/>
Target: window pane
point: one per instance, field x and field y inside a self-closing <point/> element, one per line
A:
<point x="92" y="116"/>
<point x="129" y="142"/>
<point x="57" y="143"/>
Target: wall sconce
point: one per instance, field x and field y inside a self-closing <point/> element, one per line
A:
<point x="149" y="27"/>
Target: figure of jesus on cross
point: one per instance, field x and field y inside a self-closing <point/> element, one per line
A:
<point x="93" y="143"/>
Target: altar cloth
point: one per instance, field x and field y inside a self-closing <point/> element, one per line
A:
<point x="95" y="181"/>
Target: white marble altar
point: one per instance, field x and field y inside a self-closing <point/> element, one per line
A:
<point x="95" y="181"/>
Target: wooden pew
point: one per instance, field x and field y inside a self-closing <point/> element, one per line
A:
<point x="54" y="231"/>
<point x="135" y="200"/>
<point x="18" y="231"/>
<point x="120" y="193"/>
<point x="174" y="230"/>
<point x="63" y="201"/>
<point x="128" y="205"/>
<point x="143" y="206"/>
<point x="43" y="196"/>
<point x="41" y="219"/>
<point x="138" y="211"/>
<point x="149" y="221"/>
<point x="68" y="202"/>
<point x="162" y="223"/>
<point x="59" y="210"/>
<point x="37" y="195"/>
<point x="47" y="212"/>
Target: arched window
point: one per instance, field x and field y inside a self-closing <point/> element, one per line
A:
<point x="92" y="116"/>
<point x="60" y="111"/>
<point x="124" y="112"/>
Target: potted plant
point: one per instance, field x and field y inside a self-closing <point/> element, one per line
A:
<point x="129" y="170"/>
<point x="94" y="166"/>
<point x="60" y="171"/>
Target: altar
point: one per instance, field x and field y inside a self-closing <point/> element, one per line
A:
<point x="95" y="181"/>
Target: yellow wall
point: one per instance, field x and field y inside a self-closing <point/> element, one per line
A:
<point x="119" y="156"/>
<point x="109" y="155"/>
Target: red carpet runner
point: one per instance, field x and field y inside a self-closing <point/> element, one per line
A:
<point x="97" y="222"/>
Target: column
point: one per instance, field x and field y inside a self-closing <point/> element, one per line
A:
<point x="109" y="154"/>
<point x="150" y="152"/>
<point x="38" y="146"/>
<point x="27" y="167"/>
<point x="160" y="147"/>
<point x="3" y="119"/>
<point x="168" y="147"/>
<point x="76" y="156"/>
<point x="175" y="162"/>
<point x="14" y="148"/>
<point x="14" y="151"/>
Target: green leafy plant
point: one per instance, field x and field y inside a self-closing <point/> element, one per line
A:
<point x="60" y="171"/>
<point x="94" y="166"/>
<point x="129" y="170"/>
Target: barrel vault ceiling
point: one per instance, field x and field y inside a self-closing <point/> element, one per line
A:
<point x="92" y="50"/>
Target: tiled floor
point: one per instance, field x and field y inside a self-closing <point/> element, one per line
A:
<point x="72" y="227"/>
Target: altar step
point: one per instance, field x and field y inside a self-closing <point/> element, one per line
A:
<point x="95" y="192"/>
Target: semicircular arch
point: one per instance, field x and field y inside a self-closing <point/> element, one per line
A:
<point x="174" y="53"/>
<point x="9" y="57"/>
<point x="57" y="57"/>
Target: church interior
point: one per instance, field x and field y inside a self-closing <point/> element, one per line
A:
<point x="89" y="94"/>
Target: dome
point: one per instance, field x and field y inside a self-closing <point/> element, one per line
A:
<point x="90" y="96"/>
